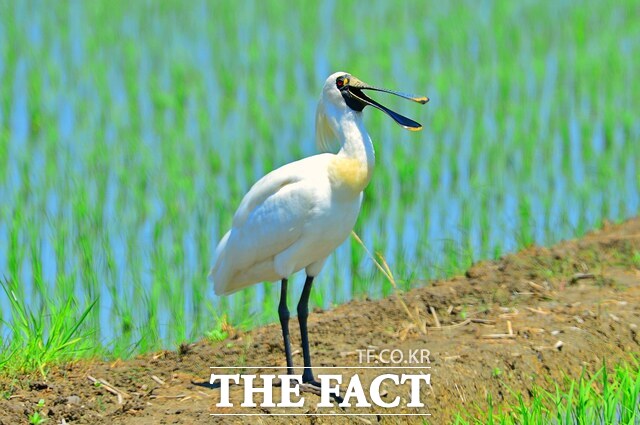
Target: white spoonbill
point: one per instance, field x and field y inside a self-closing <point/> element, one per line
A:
<point x="297" y="215"/>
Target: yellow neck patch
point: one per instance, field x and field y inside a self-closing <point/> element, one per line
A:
<point x="349" y="173"/>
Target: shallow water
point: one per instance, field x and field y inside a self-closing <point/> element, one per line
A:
<point x="131" y="133"/>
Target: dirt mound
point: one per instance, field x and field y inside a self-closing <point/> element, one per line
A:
<point x="530" y="318"/>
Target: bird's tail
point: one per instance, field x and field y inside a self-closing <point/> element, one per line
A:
<point x="219" y="273"/>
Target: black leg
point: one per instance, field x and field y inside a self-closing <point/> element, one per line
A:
<point x="303" y="313"/>
<point x="283" y="314"/>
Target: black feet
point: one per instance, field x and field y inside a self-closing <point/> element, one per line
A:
<point x="313" y="386"/>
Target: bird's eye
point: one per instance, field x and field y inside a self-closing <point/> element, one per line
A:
<point x="341" y="82"/>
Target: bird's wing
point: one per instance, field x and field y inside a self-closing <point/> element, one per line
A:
<point x="271" y="217"/>
<point x="264" y="188"/>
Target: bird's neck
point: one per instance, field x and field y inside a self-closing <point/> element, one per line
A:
<point x="357" y="154"/>
<point x="355" y="140"/>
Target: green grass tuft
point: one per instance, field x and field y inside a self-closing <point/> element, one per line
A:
<point x="40" y="337"/>
<point x="609" y="396"/>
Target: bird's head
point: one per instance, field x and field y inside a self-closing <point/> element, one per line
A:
<point x="345" y="91"/>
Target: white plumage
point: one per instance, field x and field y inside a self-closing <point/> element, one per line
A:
<point x="296" y="215"/>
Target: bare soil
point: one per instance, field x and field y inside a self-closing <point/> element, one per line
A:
<point x="531" y="318"/>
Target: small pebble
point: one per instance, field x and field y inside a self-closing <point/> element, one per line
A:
<point x="73" y="399"/>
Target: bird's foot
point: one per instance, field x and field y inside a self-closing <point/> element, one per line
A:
<point x="314" y="387"/>
<point x="311" y="381"/>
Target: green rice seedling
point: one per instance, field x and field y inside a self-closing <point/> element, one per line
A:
<point x="602" y="398"/>
<point x="44" y="336"/>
